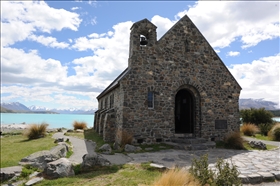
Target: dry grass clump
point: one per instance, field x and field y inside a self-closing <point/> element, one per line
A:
<point x="35" y="131"/>
<point x="274" y="133"/>
<point x="178" y="177"/>
<point x="126" y="137"/>
<point x="79" y="125"/>
<point x="234" y="141"/>
<point x="249" y="129"/>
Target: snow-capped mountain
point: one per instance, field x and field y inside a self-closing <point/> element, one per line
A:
<point x="257" y="103"/>
<point x="38" y="108"/>
<point x="15" y="106"/>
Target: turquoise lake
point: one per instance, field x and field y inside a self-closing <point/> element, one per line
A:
<point x="54" y="120"/>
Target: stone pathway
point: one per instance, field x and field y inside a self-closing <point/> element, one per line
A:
<point x="80" y="147"/>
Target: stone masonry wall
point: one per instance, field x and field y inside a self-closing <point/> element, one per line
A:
<point x="182" y="58"/>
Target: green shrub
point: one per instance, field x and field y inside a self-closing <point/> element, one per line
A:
<point x="199" y="169"/>
<point x="249" y="129"/>
<point x="79" y="125"/>
<point x="35" y="131"/>
<point x="226" y="174"/>
<point x="265" y="128"/>
<point x="256" y="116"/>
<point x="274" y="133"/>
<point x="233" y="141"/>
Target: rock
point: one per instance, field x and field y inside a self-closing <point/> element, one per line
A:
<point x="59" y="130"/>
<point x="116" y="146"/>
<point x="70" y="130"/>
<point x="258" y="145"/>
<point x="92" y="160"/>
<point x="59" y="140"/>
<point x="33" y="181"/>
<point x="9" y="172"/>
<point x="161" y="167"/>
<point x="41" y="158"/>
<point x="58" y="169"/>
<point x="131" y="148"/>
<point x="106" y="149"/>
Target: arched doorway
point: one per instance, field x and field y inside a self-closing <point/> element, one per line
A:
<point x="184" y="112"/>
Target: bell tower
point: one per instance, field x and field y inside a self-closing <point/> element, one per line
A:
<point x="142" y="37"/>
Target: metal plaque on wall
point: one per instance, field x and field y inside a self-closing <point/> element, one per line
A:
<point x="220" y="124"/>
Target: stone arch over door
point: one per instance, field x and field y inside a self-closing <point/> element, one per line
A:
<point x="187" y="114"/>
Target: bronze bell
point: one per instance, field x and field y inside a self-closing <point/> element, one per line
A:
<point x="143" y="40"/>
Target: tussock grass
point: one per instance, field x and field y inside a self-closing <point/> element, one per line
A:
<point x="79" y="125"/>
<point x="178" y="177"/>
<point x="126" y="137"/>
<point x="234" y="141"/>
<point x="274" y="133"/>
<point x="35" y="131"/>
<point x="249" y="129"/>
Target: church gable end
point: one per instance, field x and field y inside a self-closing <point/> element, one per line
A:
<point x="175" y="86"/>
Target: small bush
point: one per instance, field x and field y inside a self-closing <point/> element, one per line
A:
<point x="35" y="131"/>
<point x="176" y="177"/>
<point x="126" y="137"/>
<point x="249" y="129"/>
<point x="256" y="116"/>
<point x="225" y="175"/>
<point x="234" y="141"/>
<point x="79" y="125"/>
<point x="274" y="133"/>
<point x="265" y="128"/>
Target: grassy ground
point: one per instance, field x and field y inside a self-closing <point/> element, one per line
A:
<point x="79" y="135"/>
<point x="220" y="144"/>
<point x="114" y="176"/>
<point x="261" y="137"/>
<point x="16" y="147"/>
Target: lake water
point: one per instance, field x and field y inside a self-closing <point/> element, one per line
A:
<point x="54" y="120"/>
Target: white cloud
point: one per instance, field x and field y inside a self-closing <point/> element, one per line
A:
<point x="231" y="53"/>
<point x="75" y="8"/>
<point x="223" y="22"/>
<point x="23" y="67"/>
<point x="48" y="41"/>
<point x="163" y="25"/>
<point x="31" y="17"/>
<point x="259" y="79"/>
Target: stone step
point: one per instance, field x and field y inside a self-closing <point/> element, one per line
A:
<point x="195" y="146"/>
<point x="186" y="140"/>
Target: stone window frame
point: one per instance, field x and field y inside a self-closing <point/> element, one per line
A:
<point x="106" y="102"/>
<point x="151" y="99"/>
<point x="112" y="101"/>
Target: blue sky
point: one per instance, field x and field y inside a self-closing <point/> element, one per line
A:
<point x="63" y="54"/>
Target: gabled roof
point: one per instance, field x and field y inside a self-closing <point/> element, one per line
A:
<point x="186" y="17"/>
<point x="114" y="84"/>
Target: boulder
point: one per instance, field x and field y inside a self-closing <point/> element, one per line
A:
<point x="41" y="158"/>
<point x="105" y="149"/>
<point x="34" y="180"/>
<point x="58" y="169"/>
<point x="70" y="130"/>
<point x="57" y="140"/>
<point x="9" y="172"/>
<point x="131" y="148"/>
<point x="258" y="145"/>
<point x="92" y="160"/>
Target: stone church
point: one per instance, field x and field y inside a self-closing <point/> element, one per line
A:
<point x="174" y="86"/>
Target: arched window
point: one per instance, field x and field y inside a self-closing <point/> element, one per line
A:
<point x="143" y="40"/>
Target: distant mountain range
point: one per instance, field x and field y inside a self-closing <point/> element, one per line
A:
<point x="18" y="107"/>
<point x="257" y="103"/>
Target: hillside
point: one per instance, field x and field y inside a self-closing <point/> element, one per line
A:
<point x="257" y="103"/>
